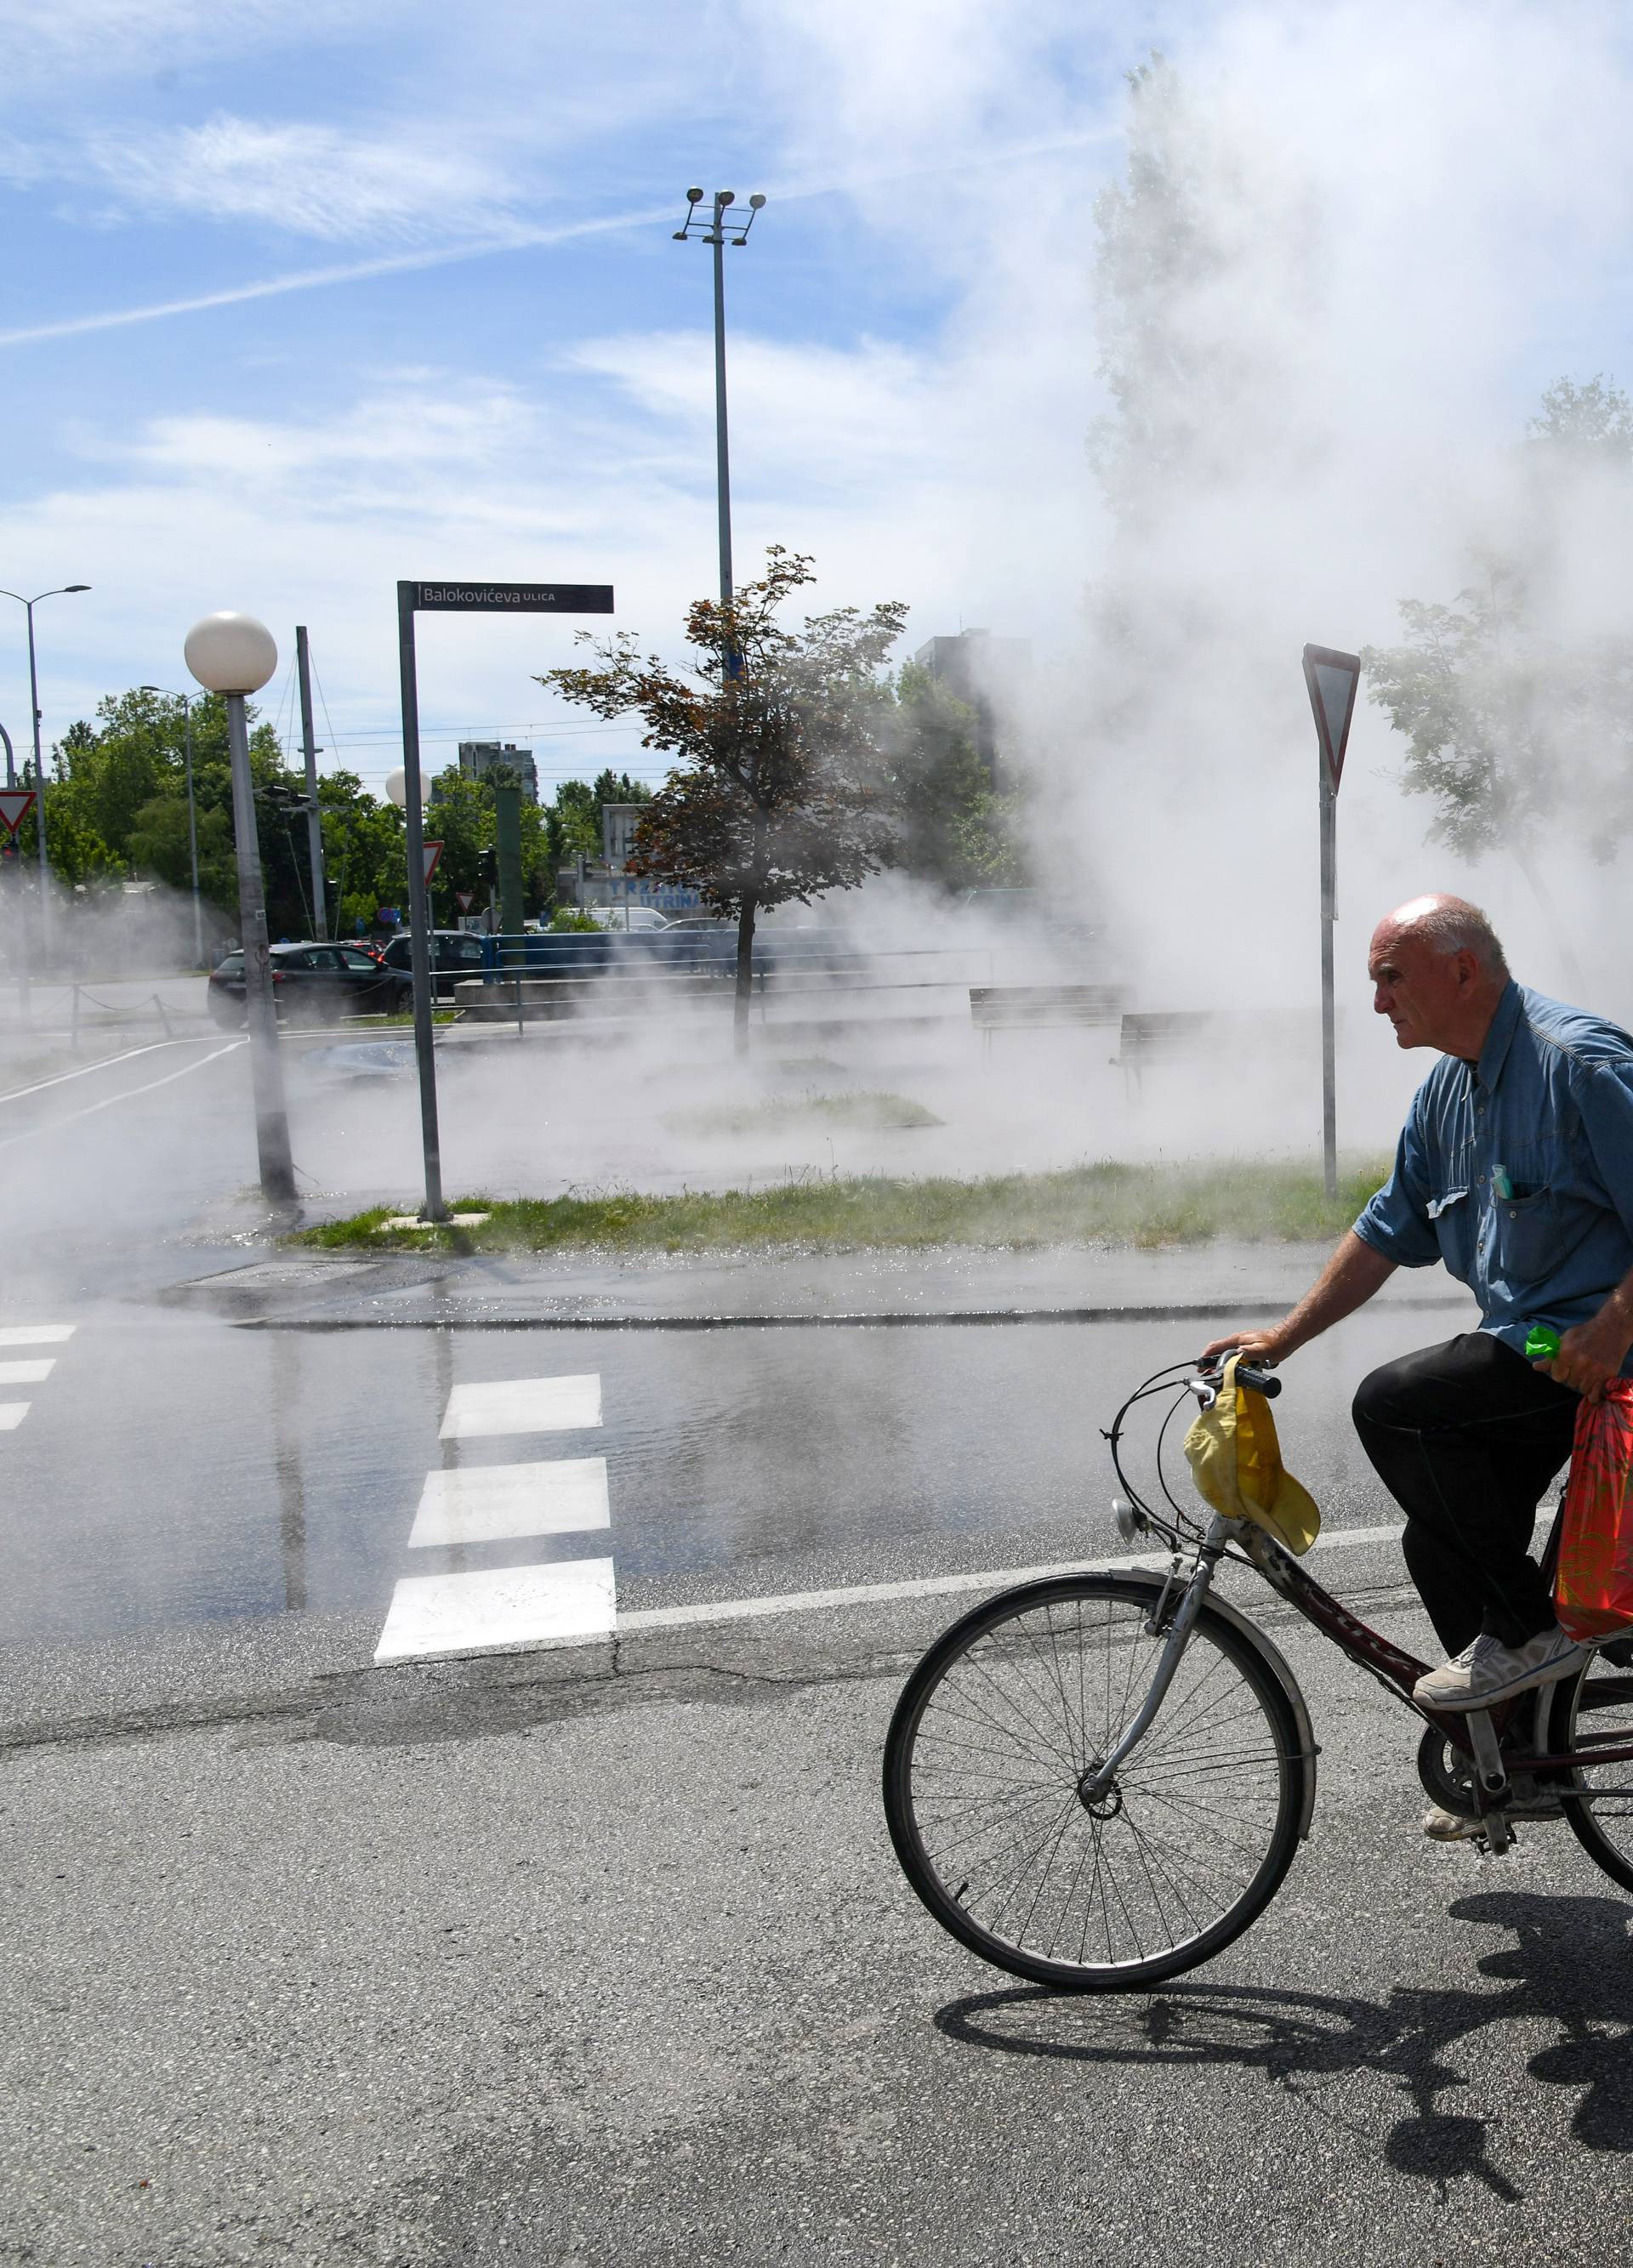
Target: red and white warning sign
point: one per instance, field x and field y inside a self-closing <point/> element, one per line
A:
<point x="467" y="899"/>
<point x="434" y="857"/>
<point x="15" y="803"/>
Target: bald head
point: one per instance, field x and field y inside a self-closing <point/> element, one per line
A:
<point x="1438" y="971"/>
<point x="1448" y="926"/>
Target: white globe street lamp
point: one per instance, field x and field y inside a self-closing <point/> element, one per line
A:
<point x="235" y="655"/>
<point x="396" y="789"/>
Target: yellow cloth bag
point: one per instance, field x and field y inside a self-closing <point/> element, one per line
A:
<point x="1236" y="1462"/>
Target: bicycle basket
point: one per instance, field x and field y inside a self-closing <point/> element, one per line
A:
<point x="1236" y="1462"/>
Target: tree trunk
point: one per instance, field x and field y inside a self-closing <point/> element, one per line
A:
<point x="745" y="976"/>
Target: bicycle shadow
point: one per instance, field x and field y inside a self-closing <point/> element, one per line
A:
<point x="1568" y="1965"/>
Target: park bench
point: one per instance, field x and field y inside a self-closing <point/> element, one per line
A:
<point x="1167" y="1035"/>
<point x="1032" y="1007"/>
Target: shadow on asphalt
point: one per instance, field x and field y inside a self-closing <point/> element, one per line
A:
<point x="1567" y="1966"/>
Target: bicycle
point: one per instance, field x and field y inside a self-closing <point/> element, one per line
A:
<point x="1097" y="1781"/>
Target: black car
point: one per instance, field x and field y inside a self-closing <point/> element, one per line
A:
<point x="312" y="984"/>
<point x="454" y="953"/>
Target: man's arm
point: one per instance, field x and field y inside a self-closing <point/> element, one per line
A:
<point x="1590" y="1354"/>
<point x="1348" y="1282"/>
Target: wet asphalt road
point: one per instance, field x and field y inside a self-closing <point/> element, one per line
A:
<point x="176" y="1470"/>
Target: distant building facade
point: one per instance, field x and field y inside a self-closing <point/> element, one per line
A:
<point x="478" y="758"/>
<point x="988" y="672"/>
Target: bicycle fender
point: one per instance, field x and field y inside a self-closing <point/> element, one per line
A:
<point x="1276" y="1661"/>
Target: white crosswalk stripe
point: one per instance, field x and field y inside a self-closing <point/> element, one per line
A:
<point x="497" y="1607"/>
<point x="26" y="1373"/>
<point x="485" y="1502"/>
<point x="469" y="1610"/>
<point x="29" y="1370"/>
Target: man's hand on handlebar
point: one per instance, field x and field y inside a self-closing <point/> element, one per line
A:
<point x="1260" y="1346"/>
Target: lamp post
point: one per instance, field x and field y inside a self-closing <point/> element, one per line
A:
<point x="235" y="655"/>
<point x="185" y="699"/>
<point x="714" y="229"/>
<point x="1331" y="680"/>
<point x="11" y="760"/>
<point x="62" y="590"/>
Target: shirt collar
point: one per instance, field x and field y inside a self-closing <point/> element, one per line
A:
<point x="1498" y="1038"/>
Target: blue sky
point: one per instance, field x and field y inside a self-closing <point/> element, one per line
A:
<point x="513" y="376"/>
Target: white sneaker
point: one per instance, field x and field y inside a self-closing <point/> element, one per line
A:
<point x="1488" y="1671"/>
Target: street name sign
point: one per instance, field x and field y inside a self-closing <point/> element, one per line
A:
<point x="511" y="598"/>
<point x="15" y="803"/>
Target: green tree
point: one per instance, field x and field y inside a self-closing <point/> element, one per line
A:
<point x="955" y="834"/>
<point x="781" y="789"/>
<point x="1513" y="721"/>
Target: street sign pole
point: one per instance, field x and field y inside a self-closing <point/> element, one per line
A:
<point x="15" y="805"/>
<point x="420" y="923"/>
<point x="1329" y="1019"/>
<point x="1331" y="679"/>
<point x="468" y="597"/>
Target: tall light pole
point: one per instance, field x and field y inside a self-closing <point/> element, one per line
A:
<point x="714" y="230"/>
<point x="315" y="816"/>
<point x="62" y="590"/>
<point x="235" y="655"/>
<point x="185" y="699"/>
<point x="11" y="760"/>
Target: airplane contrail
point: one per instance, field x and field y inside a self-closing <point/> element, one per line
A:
<point x="485" y="247"/>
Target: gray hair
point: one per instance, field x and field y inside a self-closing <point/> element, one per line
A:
<point x="1452" y="925"/>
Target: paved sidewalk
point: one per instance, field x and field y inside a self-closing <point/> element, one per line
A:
<point x="1224" y="1280"/>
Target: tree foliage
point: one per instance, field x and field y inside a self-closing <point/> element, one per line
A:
<point x="779" y="787"/>
<point x="1513" y="718"/>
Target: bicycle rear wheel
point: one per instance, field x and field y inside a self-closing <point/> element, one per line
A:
<point x="995" y="1729"/>
<point x="1596" y="1708"/>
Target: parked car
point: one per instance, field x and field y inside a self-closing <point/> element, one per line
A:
<point x="454" y="953"/>
<point x="311" y="984"/>
<point x="632" y="920"/>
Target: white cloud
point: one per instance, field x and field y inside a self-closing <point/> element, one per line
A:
<point x="317" y="180"/>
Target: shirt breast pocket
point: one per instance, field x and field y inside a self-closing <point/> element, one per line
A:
<point x="1529" y="1234"/>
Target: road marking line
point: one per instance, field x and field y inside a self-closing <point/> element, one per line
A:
<point x="523" y="1405"/>
<point x="482" y="1502"/>
<point x="129" y="1094"/>
<point x="991" y="1579"/>
<point x="571" y="1602"/>
<point x="27" y="1373"/>
<point x="85" y="1069"/>
<point x="35" y="1334"/>
<point x="12" y="1416"/>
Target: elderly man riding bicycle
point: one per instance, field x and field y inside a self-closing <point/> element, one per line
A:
<point x="1515" y="1167"/>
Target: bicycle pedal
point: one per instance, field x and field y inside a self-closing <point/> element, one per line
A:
<point x="1498" y="1839"/>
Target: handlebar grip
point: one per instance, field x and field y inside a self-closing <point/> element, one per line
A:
<point x="1264" y="1381"/>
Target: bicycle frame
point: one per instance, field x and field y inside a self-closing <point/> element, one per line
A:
<point x="1478" y="1734"/>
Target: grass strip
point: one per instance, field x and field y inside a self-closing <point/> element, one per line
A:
<point x="1149" y="1206"/>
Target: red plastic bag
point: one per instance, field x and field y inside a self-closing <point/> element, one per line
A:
<point x="1593" y="1589"/>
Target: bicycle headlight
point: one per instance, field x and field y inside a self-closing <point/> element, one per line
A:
<point x="1129" y="1520"/>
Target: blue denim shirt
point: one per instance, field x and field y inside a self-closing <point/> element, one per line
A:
<point x="1550" y="1101"/>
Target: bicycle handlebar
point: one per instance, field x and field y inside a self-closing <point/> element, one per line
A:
<point x="1263" y="1381"/>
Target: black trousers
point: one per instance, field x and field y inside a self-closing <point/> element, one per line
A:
<point x="1465" y="1437"/>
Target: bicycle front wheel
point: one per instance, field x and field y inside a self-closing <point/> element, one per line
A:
<point x="996" y="1731"/>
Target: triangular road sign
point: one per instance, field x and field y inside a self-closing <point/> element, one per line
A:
<point x="15" y="803"/>
<point x="467" y="899"/>
<point x="1331" y="679"/>
<point x="433" y="855"/>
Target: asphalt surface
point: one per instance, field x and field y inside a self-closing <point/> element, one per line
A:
<point x="599" y="1953"/>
